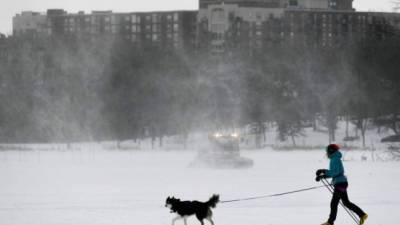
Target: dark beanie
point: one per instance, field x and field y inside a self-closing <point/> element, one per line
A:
<point x="332" y="148"/>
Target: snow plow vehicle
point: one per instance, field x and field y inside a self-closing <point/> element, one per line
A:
<point x="223" y="152"/>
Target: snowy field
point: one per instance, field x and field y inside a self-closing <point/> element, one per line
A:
<point x="97" y="187"/>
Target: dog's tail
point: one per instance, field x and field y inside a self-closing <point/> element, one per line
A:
<point x="213" y="201"/>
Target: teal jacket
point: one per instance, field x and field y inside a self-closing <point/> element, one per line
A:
<point x="336" y="169"/>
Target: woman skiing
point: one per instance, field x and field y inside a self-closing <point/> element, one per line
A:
<point x="339" y="181"/>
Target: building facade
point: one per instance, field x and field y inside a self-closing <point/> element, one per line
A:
<point x="228" y="25"/>
<point x="341" y="5"/>
<point x="171" y="28"/>
<point x="222" y="25"/>
<point x="309" y="4"/>
<point x="29" y="23"/>
<point x="3" y="44"/>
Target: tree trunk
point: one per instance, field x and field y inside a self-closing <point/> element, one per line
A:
<point x="161" y="141"/>
<point x="258" y="134"/>
<point x="363" y="127"/>
<point x="363" y="137"/>
<point x="153" y="139"/>
<point x="293" y="140"/>
<point x="331" y="134"/>
<point x="315" y="123"/>
<point x="264" y="134"/>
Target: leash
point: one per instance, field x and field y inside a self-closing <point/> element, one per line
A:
<point x="272" y="195"/>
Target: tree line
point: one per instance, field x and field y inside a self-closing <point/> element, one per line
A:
<point x="67" y="89"/>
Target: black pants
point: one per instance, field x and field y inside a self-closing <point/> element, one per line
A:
<point x="340" y="193"/>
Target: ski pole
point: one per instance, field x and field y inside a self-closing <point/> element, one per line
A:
<point x="330" y="188"/>
<point x="351" y="213"/>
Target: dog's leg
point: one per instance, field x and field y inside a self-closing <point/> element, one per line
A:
<point x="209" y="216"/>
<point x="200" y="218"/>
<point x="185" y="220"/>
<point x="211" y="221"/>
<point x="175" y="219"/>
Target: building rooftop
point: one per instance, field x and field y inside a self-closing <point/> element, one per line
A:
<point x="247" y="3"/>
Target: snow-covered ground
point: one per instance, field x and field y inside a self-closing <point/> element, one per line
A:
<point x="92" y="186"/>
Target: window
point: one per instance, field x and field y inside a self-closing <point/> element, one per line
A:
<point x="176" y="17"/>
<point x="155" y="37"/>
<point x="176" y="36"/>
<point x="176" y="27"/>
<point x="155" y="18"/>
<point x="154" y="28"/>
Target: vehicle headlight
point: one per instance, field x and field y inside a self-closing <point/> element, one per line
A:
<point x="235" y="135"/>
<point x="217" y="135"/>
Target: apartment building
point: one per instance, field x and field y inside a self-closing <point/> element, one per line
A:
<point x="169" y="28"/>
<point x="222" y="25"/>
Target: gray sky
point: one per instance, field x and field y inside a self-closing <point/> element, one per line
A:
<point x="9" y="8"/>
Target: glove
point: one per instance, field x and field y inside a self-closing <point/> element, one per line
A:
<point x="321" y="171"/>
<point x="319" y="177"/>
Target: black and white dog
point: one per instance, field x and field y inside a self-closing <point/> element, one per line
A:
<point x="184" y="209"/>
